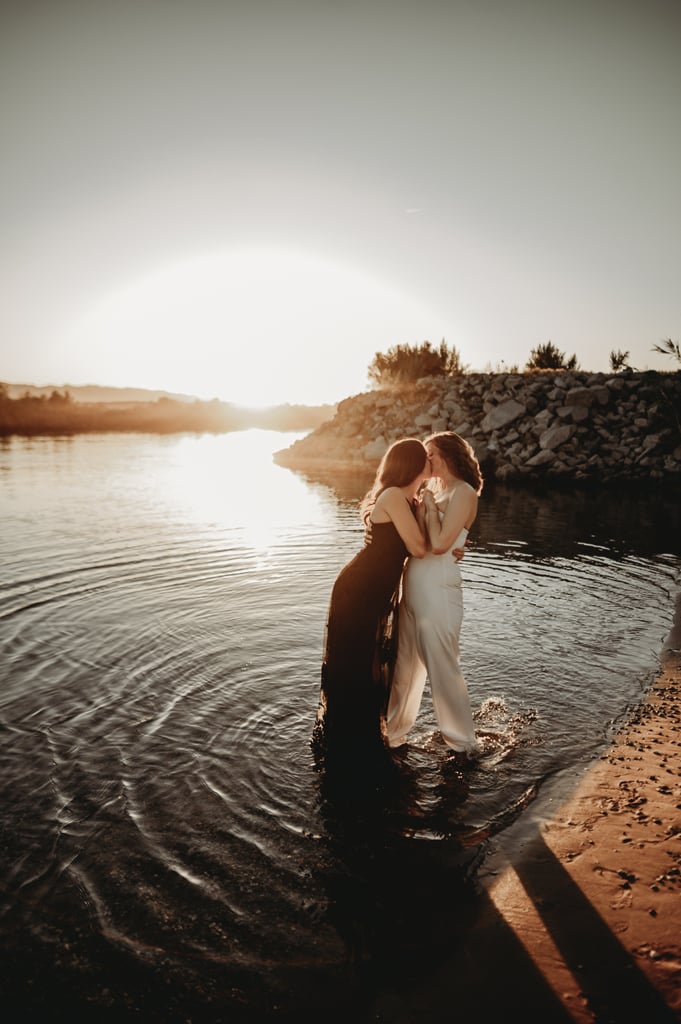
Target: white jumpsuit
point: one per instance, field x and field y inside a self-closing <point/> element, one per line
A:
<point x="430" y="615"/>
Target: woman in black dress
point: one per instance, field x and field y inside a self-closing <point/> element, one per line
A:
<point x="358" y="652"/>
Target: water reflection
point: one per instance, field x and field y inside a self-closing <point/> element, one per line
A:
<point x="168" y="841"/>
<point x="550" y="522"/>
<point x="227" y="483"/>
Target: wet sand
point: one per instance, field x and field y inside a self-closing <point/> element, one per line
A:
<point x="580" y="911"/>
<point x="596" y="895"/>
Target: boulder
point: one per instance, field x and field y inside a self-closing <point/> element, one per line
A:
<point x="501" y="415"/>
<point x="555" y="436"/>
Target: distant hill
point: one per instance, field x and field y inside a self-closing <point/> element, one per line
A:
<point x="96" y="393"/>
<point x="29" y="409"/>
<point x="110" y="395"/>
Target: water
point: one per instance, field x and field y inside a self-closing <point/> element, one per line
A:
<point x="168" y="850"/>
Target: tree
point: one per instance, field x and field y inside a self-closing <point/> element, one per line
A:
<point x="548" y="357"/>
<point x="669" y="348"/>
<point x="403" y="364"/>
<point x="57" y="398"/>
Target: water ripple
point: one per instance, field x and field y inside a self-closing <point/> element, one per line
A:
<point x="161" y="679"/>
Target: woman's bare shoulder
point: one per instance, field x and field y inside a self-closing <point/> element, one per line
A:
<point x="460" y="492"/>
<point x="465" y="492"/>
<point x="386" y="504"/>
<point x="390" y="496"/>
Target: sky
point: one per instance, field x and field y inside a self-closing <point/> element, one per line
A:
<point x="249" y="200"/>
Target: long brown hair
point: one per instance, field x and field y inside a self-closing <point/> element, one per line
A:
<point x="459" y="456"/>
<point x="401" y="464"/>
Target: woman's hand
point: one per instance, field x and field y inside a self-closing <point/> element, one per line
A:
<point x="458" y="553"/>
<point x="420" y="513"/>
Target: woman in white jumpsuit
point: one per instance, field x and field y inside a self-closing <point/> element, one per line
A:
<point x="431" y="608"/>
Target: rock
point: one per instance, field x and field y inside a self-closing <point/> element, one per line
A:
<point x="524" y="426"/>
<point x="576" y="413"/>
<point x="601" y="394"/>
<point x="580" y="396"/>
<point x="506" y="472"/>
<point x="555" y="436"/>
<point x="454" y="411"/>
<point x="541" y="458"/>
<point x="501" y="415"/>
<point x="375" y="450"/>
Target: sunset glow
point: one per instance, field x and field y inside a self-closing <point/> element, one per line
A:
<point x="251" y="326"/>
<point x="226" y="204"/>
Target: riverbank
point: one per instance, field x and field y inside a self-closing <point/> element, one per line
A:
<point x="594" y="894"/>
<point x="580" y="919"/>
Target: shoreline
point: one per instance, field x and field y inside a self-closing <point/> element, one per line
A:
<point x="591" y="888"/>
<point x="577" y="917"/>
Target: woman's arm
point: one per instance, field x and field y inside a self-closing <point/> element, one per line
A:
<point x="460" y="512"/>
<point x="420" y="512"/>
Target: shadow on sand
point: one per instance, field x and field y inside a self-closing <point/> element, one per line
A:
<point x="424" y="944"/>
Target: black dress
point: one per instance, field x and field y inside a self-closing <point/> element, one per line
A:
<point x="359" y="651"/>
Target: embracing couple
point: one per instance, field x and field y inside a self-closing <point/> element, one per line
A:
<point x="419" y="510"/>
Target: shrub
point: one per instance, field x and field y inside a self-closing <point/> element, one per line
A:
<point x="404" y="364"/>
<point x="548" y="357"/>
<point x="669" y="348"/>
<point x="618" y="360"/>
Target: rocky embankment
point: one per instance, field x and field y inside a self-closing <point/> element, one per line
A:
<point x="523" y="426"/>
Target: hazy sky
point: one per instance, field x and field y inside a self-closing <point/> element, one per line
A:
<point x="247" y="200"/>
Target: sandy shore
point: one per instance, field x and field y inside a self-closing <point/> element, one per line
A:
<point x="592" y="891"/>
<point x="579" y="918"/>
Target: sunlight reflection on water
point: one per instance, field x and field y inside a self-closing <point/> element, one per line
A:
<point x="230" y="485"/>
<point x="162" y="608"/>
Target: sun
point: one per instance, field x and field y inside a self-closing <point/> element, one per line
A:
<point x="254" y="325"/>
